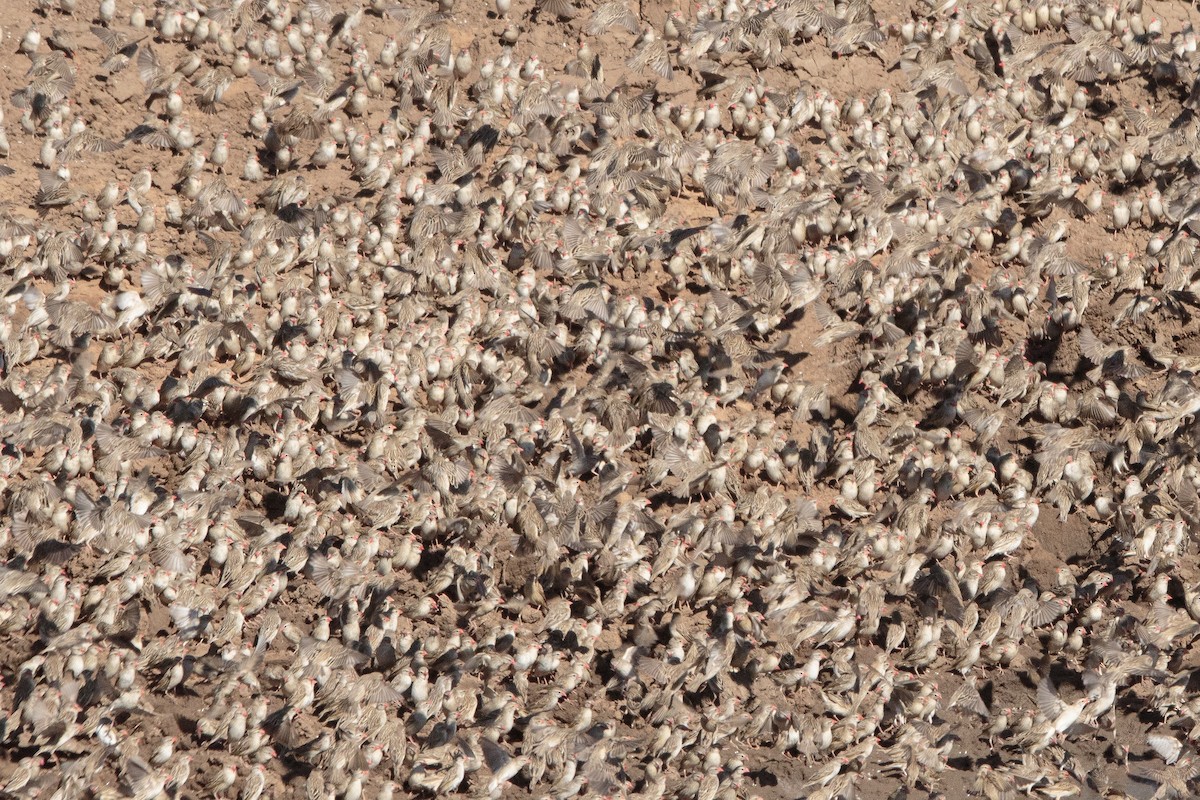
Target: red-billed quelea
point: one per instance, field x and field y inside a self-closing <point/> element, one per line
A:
<point x="575" y="399"/>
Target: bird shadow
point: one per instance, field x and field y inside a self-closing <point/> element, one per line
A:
<point x="763" y="777"/>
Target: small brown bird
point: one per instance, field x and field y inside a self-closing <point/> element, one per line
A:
<point x="61" y="41"/>
<point x="55" y="189"/>
<point x="120" y="51"/>
<point x="212" y="87"/>
<point x="221" y="780"/>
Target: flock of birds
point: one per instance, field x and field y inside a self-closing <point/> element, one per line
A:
<point x="417" y="413"/>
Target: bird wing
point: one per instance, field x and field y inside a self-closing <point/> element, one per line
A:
<point x="1047" y="698"/>
<point x="1092" y="348"/>
<point x="1168" y="747"/>
<point x="495" y="755"/>
<point x="968" y="697"/>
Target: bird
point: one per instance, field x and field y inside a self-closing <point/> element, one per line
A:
<point x="1061" y="715"/>
<point x="55" y="189"/>
<point x="120" y="49"/>
<point x="253" y="785"/>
